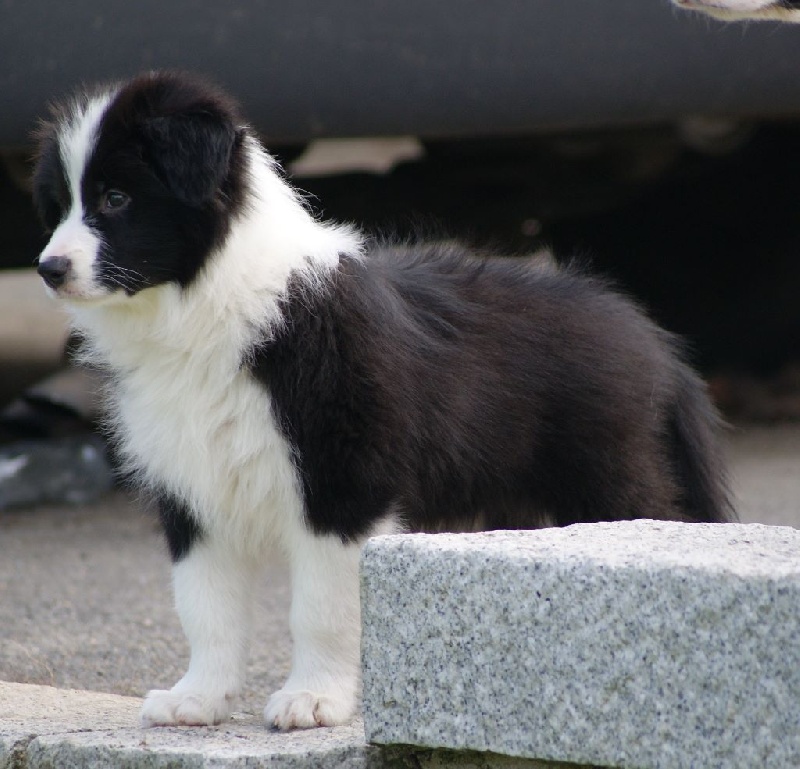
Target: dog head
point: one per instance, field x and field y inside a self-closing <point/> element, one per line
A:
<point x="138" y="184"/>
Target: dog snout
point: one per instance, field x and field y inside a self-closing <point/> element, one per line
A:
<point x="54" y="270"/>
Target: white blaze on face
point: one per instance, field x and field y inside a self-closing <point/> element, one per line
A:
<point x="74" y="239"/>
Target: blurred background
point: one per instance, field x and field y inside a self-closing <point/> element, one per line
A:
<point x="657" y="146"/>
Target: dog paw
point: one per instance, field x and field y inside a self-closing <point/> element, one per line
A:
<point x="305" y="709"/>
<point x="168" y="707"/>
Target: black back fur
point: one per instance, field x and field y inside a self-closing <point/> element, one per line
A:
<point x="485" y="394"/>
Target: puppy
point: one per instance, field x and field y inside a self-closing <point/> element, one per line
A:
<point x="733" y="10"/>
<point x="282" y="385"/>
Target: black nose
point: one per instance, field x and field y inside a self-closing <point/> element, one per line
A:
<point x="54" y="270"/>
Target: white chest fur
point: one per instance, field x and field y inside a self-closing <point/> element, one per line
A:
<point x="188" y="416"/>
<point x="206" y="433"/>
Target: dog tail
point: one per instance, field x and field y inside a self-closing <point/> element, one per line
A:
<point x="697" y="457"/>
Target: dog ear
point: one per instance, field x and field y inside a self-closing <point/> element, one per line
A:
<point x="191" y="152"/>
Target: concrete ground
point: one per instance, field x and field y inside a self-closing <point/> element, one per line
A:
<point x="85" y="598"/>
<point x="59" y="728"/>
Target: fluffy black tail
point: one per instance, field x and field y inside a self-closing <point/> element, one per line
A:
<point x="699" y="465"/>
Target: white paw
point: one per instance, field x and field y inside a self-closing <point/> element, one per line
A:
<point x="167" y="707"/>
<point x="302" y="709"/>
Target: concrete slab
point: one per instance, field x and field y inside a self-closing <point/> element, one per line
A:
<point x="45" y="727"/>
<point x="637" y="644"/>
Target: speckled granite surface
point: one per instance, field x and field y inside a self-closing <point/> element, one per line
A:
<point x="637" y="644"/>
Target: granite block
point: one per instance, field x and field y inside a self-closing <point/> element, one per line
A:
<point x="634" y="644"/>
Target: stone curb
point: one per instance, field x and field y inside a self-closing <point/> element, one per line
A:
<point x="640" y="644"/>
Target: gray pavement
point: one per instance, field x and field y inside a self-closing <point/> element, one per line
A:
<point x="58" y="728"/>
<point x="85" y="596"/>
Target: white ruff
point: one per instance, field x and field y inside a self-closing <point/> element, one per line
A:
<point x="189" y="416"/>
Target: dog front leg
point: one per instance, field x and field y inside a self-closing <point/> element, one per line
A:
<point x="322" y="688"/>
<point x="213" y="596"/>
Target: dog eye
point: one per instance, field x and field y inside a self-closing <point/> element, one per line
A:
<point x="113" y="200"/>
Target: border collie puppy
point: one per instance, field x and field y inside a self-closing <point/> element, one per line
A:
<point x="736" y="10"/>
<point x="281" y="385"/>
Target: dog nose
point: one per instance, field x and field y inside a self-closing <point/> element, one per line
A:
<point x="54" y="270"/>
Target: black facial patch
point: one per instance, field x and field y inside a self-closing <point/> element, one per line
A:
<point x="174" y="146"/>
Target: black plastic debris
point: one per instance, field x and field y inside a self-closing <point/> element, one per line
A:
<point x="71" y="470"/>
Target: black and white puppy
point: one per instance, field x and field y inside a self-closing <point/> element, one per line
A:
<point x="284" y="386"/>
